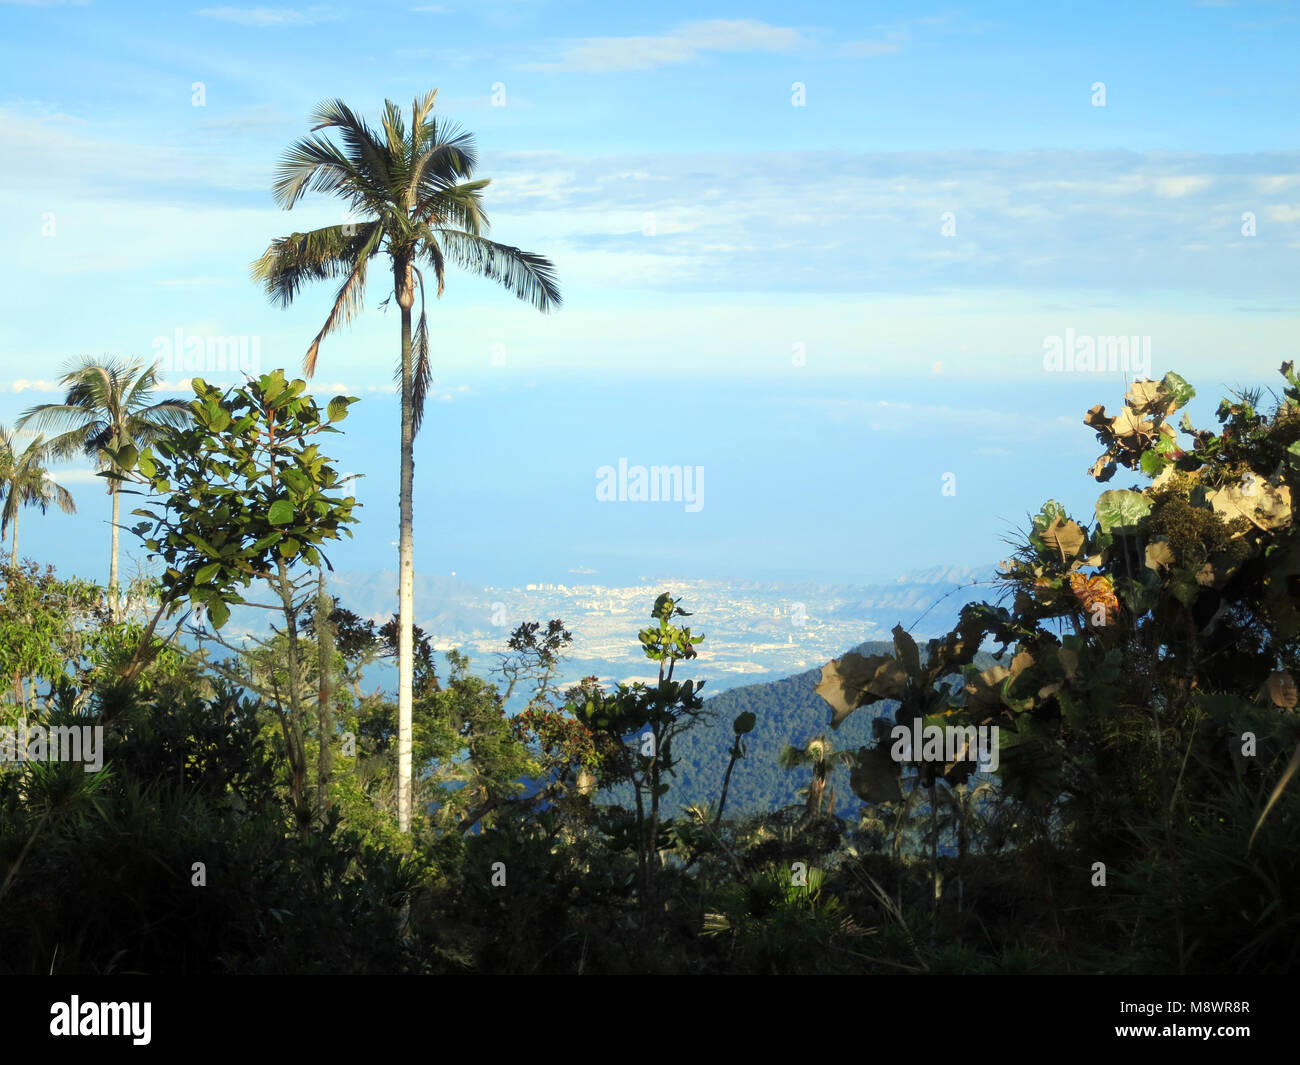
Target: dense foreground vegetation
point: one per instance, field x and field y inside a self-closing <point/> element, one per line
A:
<point x="1140" y="818"/>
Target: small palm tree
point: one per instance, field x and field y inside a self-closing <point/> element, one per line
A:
<point x="822" y="756"/>
<point x="108" y="406"/>
<point x="25" y="482"/>
<point x="406" y="190"/>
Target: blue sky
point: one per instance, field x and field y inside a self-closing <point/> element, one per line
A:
<point x="826" y="306"/>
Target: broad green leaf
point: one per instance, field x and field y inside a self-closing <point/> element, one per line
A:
<point x="296" y="480"/>
<point x="1121" y="510"/>
<point x="1180" y="392"/>
<point x="281" y="512"/>
<point x="1152" y="462"/>
<point x="202" y="545"/>
<point x="218" y="612"/>
<point x="206" y="573"/>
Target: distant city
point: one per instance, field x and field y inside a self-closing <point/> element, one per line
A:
<point x="754" y="631"/>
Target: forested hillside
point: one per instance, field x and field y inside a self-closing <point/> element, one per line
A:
<point x="787" y="712"/>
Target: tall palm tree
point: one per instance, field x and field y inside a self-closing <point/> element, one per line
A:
<point x="407" y="192"/>
<point x="107" y="406"/>
<point x="25" y="482"/>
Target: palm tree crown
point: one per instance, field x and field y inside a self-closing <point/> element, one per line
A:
<point x="107" y="406"/>
<point x="407" y="185"/>
<point x="26" y="482"/>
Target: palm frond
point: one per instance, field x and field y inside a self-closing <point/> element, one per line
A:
<point x="316" y="164"/>
<point x="529" y="276"/>
<point x="422" y="369"/>
<point x="149" y="424"/>
<point x="395" y="130"/>
<point x="436" y="259"/>
<point x="420" y="108"/>
<point x="449" y="157"/>
<point x="62" y="497"/>
<point x="320" y="255"/>
<point x="346" y="303"/>
<point x="367" y="153"/>
<point x="455" y="206"/>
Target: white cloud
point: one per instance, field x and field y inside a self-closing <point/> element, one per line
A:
<point x="603" y="54"/>
<point x="78" y="475"/>
<point x="53" y="154"/>
<point x="1174" y="188"/>
<point x="22" y="384"/>
<point x="1273" y="183"/>
<point x="268" y="16"/>
<point x="253" y="117"/>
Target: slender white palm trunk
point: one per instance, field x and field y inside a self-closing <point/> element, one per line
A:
<point x="13" y="557"/>
<point x="406" y="562"/>
<point x="112" y="565"/>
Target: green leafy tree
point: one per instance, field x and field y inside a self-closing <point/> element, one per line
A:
<point x="409" y="191"/>
<point x="643" y="721"/>
<point x="108" y="407"/>
<point x="245" y="496"/>
<point x="26" y="482"/>
<point x="48" y="630"/>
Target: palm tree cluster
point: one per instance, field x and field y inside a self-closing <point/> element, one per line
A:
<point x="107" y="405"/>
<point x="411" y="196"/>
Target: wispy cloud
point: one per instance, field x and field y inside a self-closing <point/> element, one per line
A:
<point x="689" y="42"/>
<point x="41" y="149"/>
<point x="842" y="222"/>
<point x="268" y="16"/>
<point x="79" y="475"/>
<point x="253" y="117"/>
